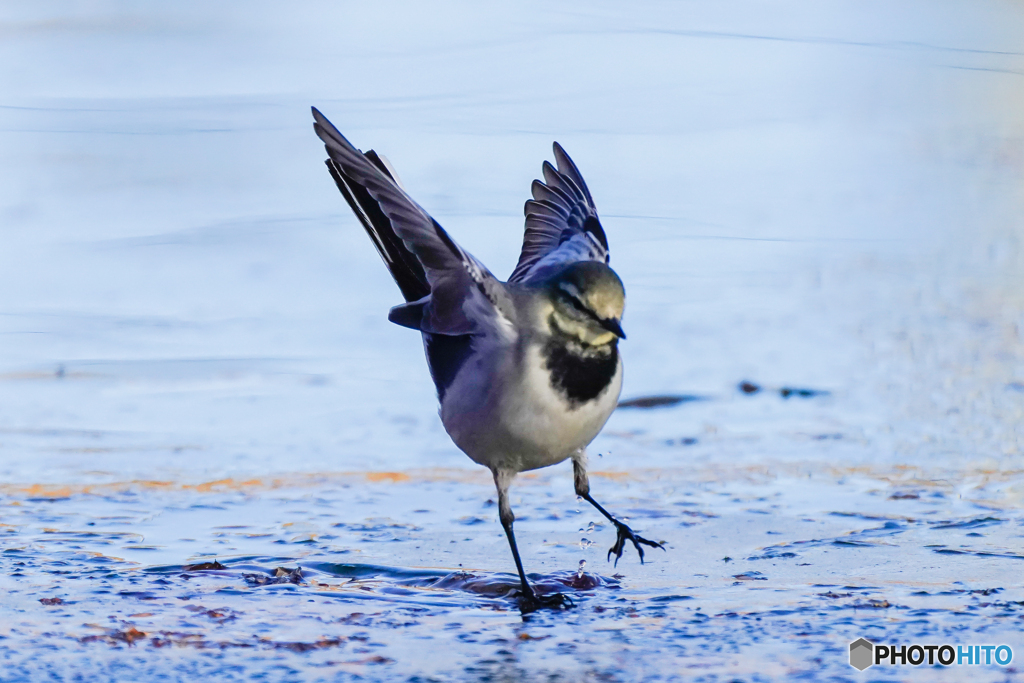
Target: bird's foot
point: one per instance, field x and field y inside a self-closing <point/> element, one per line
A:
<point x="531" y="602"/>
<point x="625" y="533"/>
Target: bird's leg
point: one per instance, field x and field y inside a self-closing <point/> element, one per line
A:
<point x="582" y="483"/>
<point x="529" y="601"/>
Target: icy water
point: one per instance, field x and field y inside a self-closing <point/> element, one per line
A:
<point x="219" y="460"/>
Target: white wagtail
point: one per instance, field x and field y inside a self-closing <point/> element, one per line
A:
<point x="527" y="371"/>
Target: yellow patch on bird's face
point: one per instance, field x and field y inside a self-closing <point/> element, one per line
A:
<point x="606" y="300"/>
<point x="604" y="297"/>
<point x="587" y="333"/>
<point x="601" y="339"/>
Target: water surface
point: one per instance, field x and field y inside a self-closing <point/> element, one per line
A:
<point x="217" y="458"/>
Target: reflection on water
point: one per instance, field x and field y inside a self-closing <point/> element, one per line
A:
<point x="218" y="459"/>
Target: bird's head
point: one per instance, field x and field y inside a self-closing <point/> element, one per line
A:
<point x="588" y="300"/>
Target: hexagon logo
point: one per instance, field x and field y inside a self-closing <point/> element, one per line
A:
<point x="862" y="654"/>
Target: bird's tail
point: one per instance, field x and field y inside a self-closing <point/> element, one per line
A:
<point x="401" y="262"/>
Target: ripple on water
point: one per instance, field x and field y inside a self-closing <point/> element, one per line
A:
<point x="399" y="607"/>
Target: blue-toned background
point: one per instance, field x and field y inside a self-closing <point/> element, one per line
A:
<point x="195" y="361"/>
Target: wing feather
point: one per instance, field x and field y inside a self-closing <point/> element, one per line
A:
<point x="561" y="223"/>
<point x="464" y="295"/>
<point x="553" y="194"/>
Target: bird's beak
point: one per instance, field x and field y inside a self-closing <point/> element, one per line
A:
<point x="613" y="326"/>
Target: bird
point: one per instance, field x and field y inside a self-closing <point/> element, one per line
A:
<point x="527" y="371"/>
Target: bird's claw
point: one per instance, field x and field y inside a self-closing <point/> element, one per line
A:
<point x="620" y="542"/>
<point x="531" y="602"/>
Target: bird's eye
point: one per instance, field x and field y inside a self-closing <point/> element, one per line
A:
<point x="578" y="305"/>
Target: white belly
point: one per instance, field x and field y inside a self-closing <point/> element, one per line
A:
<point x="528" y="425"/>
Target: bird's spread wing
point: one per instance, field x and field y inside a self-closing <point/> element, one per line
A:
<point x="561" y="223"/>
<point x="464" y="296"/>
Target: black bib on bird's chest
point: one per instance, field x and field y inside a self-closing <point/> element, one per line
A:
<point x="579" y="372"/>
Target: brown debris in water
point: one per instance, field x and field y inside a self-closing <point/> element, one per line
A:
<point x="195" y="640"/>
<point x="51" y="601"/>
<point x="584" y="582"/>
<point x="872" y="603"/>
<point x="321" y="644"/>
<point x="527" y="636"/>
<point x="281" y="575"/>
<point x="129" y="635"/>
<point x="373" y="659"/>
<point x="220" y="615"/>
<point x="203" y="566"/>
